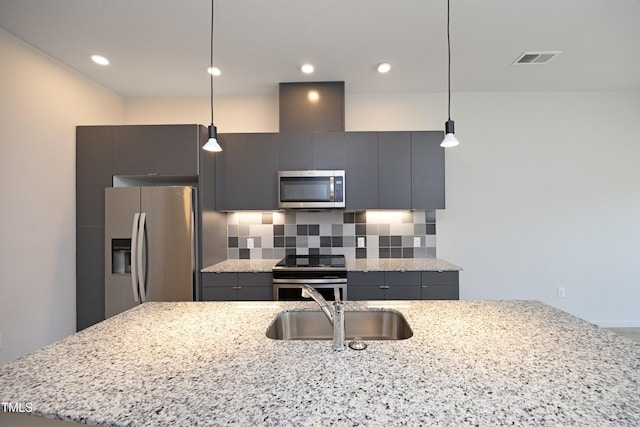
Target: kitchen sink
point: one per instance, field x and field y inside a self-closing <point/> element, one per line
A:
<point x="365" y="324"/>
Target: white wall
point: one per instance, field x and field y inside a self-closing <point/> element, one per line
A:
<point x="232" y="114"/>
<point x="543" y="191"/>
<point x="41" y="102"/>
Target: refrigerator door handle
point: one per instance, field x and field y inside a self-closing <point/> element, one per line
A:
<point x="134" y="251"/>
<point x="141" y="249"/>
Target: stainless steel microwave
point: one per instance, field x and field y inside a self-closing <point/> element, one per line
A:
<point x="311" y="189"/>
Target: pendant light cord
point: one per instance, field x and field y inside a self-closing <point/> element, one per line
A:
<point x="449" y="63"/>
<point x="211" y="65"/>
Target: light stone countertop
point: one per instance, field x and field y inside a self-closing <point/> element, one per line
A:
<point x="242" y="266"/>
<point x="367" y="264"/>
<point x="209" y="363"/>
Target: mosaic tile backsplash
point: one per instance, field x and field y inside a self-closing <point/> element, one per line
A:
<point x="370" y="234"/>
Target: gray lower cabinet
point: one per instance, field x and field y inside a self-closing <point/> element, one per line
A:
<point x="440" y="285"/>
<point x="398" y="285"/>
<point x="237" y="286"/>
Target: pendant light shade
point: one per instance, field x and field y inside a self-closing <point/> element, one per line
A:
<point x="450" y="139"/>
<point x="212" y="143"/>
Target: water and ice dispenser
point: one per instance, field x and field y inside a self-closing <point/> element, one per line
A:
<point x="120" y="256"/>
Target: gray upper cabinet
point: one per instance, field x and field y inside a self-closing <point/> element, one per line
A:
<point x="104" y="151"/>
<point x="155" y="149"/>
<point x="394" y="168"/>
<point x="427" y="170"/>
<point x="328" y="150"/>
<point x="295" y="151"/>
<point x="312" y="150"/>
<point x="93" y="173"/>
<point x="361" y="170"/>
<point x="246" y="172"/>
<point x="384" y="170"/>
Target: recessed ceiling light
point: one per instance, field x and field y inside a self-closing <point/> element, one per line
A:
<point x="215" y="71"/>
<point x="307" y="68"/>
<point x="384" y="67"/>
<point x="98" y="59"/>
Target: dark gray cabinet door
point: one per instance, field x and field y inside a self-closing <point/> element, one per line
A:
<point x="246" y="172"/>
<point x="394" y="167"/>
<point x="361" y="170"/>
<point x="440" y="293"/>
<point x="398" y="285"/>
<point x="89" y="276"/>
<point x="93" y="173"/>
<point x="231" y="172"/>
<point x="295" y="151"/>
<point x="155" y="149"/>
<point x="365" y="285"/>
<point x="262" y="171"/>
<point x="402" y="285"/>
<point x="365" y="293"/>
<point x="328" y="150"/>
<point x="440" y="285"/>
<point x="402" y="292"/>
<point x="237" y="286"/>
<point x="427" y="170"/>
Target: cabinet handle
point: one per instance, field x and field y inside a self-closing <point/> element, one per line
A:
<point x="384" y="287"/>
<point x="424" y="286"/>
<point x="236" y="287"/>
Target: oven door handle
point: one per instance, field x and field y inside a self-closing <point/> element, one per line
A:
<point x="308" y="281"/>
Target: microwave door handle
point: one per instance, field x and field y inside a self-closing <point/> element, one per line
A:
<point x="332" y="197"/>
<point x="141" y="250"/>
<point x="134" y="252"/>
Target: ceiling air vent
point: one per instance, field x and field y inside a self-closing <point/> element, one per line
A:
<point x="536" y="58"/>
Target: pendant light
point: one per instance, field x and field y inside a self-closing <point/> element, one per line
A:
<point x="212" y="143"/>
<point x="450" y="139"/>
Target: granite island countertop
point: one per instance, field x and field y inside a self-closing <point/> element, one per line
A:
<point x="210" y="363"/>
<point x="364" y="264"/>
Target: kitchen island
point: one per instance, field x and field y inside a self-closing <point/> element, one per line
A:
<point x="210" y="363"/>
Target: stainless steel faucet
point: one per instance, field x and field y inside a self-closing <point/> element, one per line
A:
<point x="335" y="315"/>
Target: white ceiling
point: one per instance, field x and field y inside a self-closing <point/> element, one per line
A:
<point x="160" y="48"/>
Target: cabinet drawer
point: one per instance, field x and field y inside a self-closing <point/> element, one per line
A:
<point x="365" y="278"/>
<point x="255" y="279"/>
<point x="403" y="292"/>
<point x="219" y="279"/>
<point x="440" y="292"/>
<point x="402" y="278"/>
<point x="440" y="278"/>
<point x="254" y="293"/>
<point x="219" y="293"/>
<point x="365" y="293"/>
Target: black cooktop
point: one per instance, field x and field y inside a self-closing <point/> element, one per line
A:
<point x="312" y="261"/>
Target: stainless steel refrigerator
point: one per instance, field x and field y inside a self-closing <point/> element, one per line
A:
<point x="150" y="246"/>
